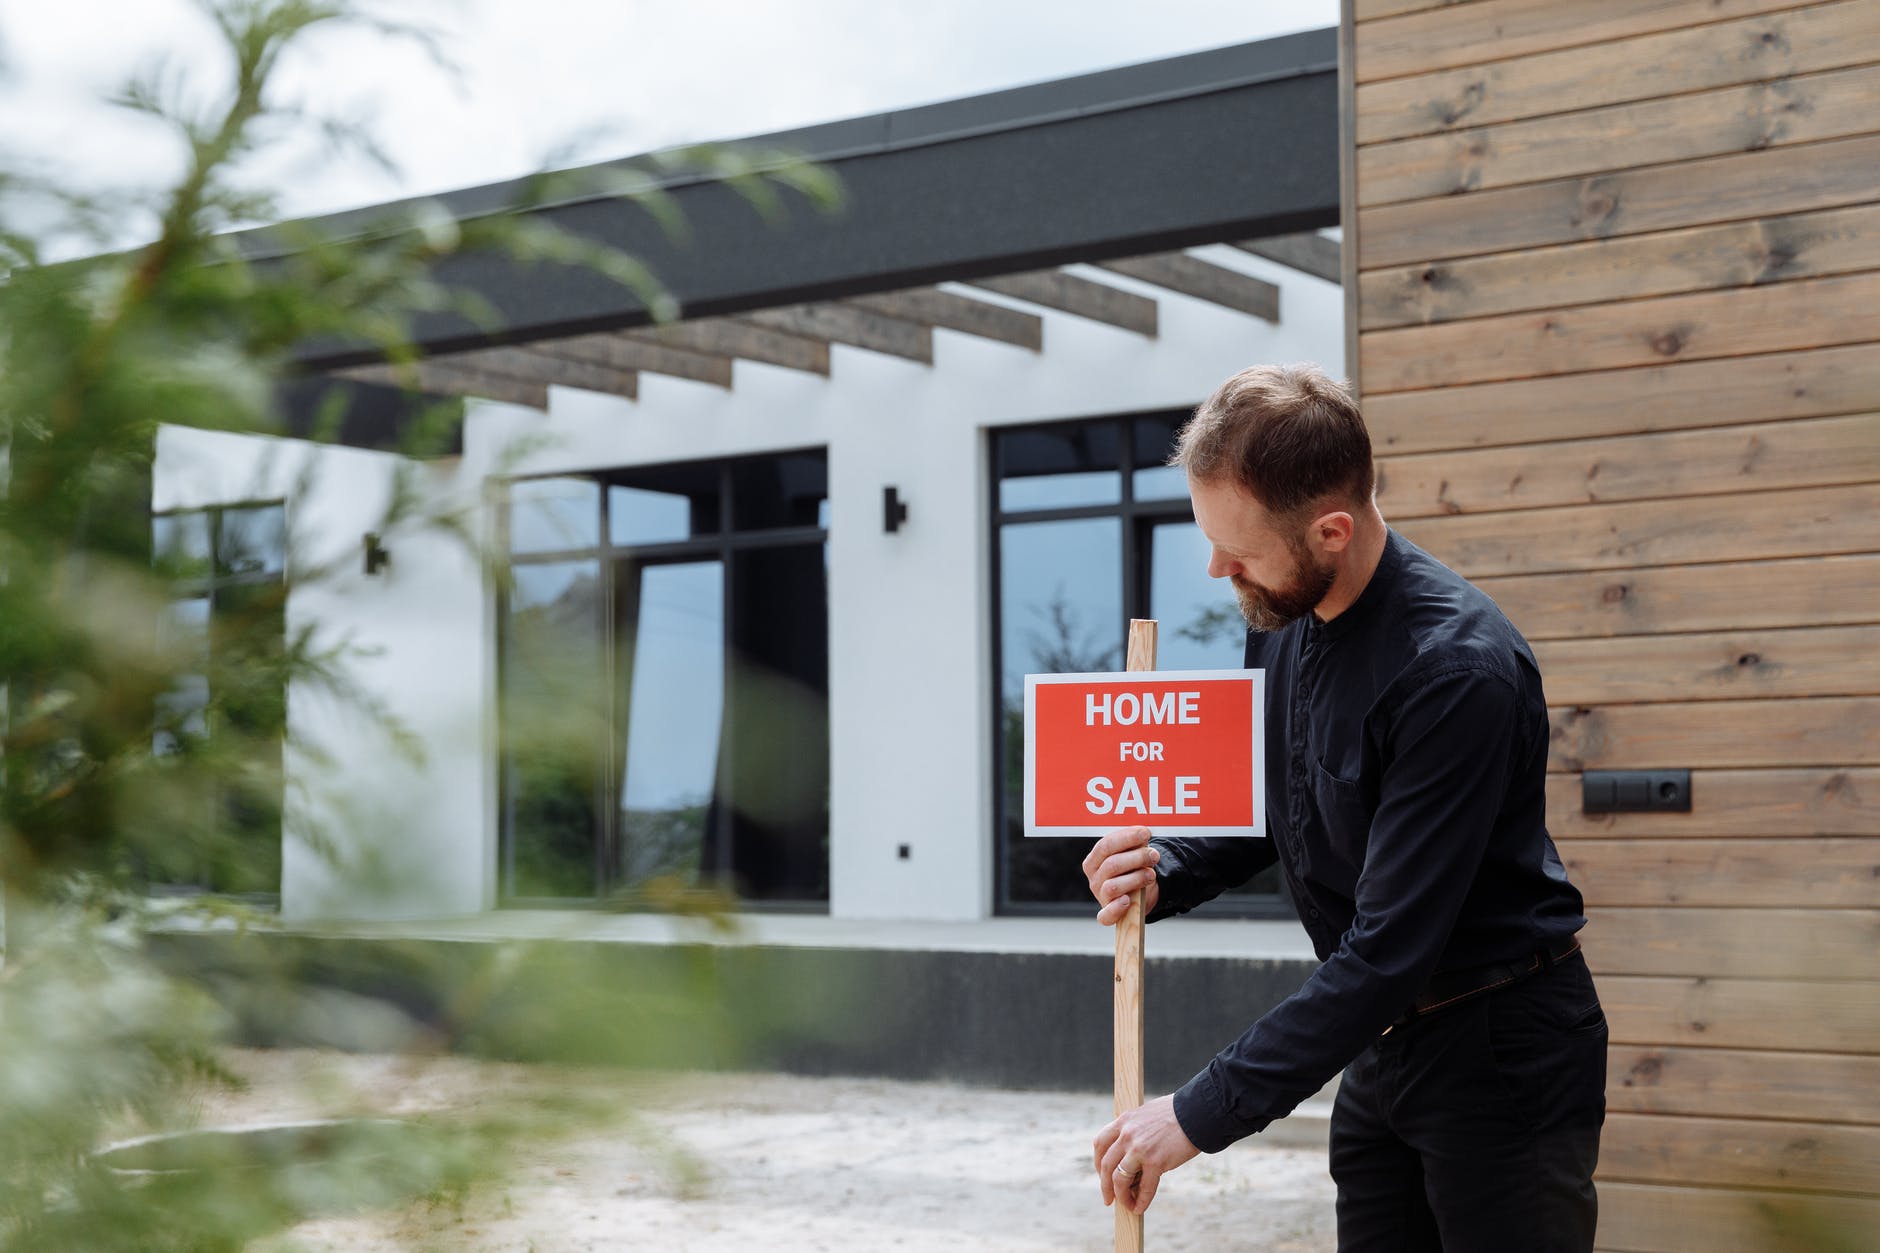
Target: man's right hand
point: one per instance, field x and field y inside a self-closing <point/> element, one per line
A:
<point x="1122" y="862"/>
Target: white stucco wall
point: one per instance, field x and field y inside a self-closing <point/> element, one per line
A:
<point x="909" y="613"/>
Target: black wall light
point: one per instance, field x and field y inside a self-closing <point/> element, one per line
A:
<point x="377" y="558"/>
<point x="893" y="510"/>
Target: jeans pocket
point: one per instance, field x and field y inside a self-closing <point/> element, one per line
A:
<point x="1548" y="1046"/>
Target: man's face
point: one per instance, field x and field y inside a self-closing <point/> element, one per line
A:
<point x="1276" y="575"/>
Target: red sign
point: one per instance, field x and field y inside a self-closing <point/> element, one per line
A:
<point x="1173" y="750"/>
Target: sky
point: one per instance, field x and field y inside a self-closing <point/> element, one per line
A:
<point x="566" y="81"/>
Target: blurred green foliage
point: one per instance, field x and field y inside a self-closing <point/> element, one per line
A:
<point x="128" y="759"/>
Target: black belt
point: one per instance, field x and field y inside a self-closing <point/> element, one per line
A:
<point x="1450" y="986"/>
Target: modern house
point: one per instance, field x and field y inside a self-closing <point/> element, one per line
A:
<point x="1605" y="276"/>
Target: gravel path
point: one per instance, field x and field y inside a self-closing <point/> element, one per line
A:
<point x="784" y="1163"/>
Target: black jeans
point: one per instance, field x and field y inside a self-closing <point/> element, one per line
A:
<point x="1475" y="1128"/>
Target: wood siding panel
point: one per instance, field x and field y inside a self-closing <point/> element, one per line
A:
<point x="1822" y="731"/>
<point x="1804" y="873"/>
<point x="1733" y="665"/>
<point x="1825" y="1087"/>
<point x="1732" y="803"/>
<point x="1829" y="1015"/>
<point x="1775" y="45"/>
<point x="1650" y="1218"/>
<point x="1762" y="250"/>
<point x="1746" y="595"/>
<point x="1735" y="943"/>
<point x="1655" y="532"/>
<point x="1726" y="392"/>
<point x="1781" y="317"/>
<point x="1740" y="1153"/>
<point x="1823" y="452"/>
<point x="1752" y="117"/>
<point x="1630" y="202"/>
<point x="1417" y="43"/>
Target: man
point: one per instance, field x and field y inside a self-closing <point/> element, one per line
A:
<point x="1406" y="754"/>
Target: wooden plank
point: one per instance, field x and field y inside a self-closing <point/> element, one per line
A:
<point x="1348" y="192"/>
<point x="721" y="337"/>
<point x="1816" y="1087"/>
<point x="1203" y="280"/>
<point x="1308" y="252"/>
<point x="1816" y="520"/>
<point x="1749" y="118"/>
<point x="1615" y="71"/>
<point x="1735" y="943"/>
<point x="1727" y="803"/>
<point x="618" y="352"/>
<point x="846" y="324"/>
<point x="1724" y="665"/>
<point x="1724" y="392"/>
<point x="1808" y="313"/>
<point x="1630" y="202"/>
<point x="443" y="380"/>
<point x="1654" y="1218"/>
<point x="1820" y="731"/>
<point x="1827" y="590"/>
<point x="1842" y="873"/>
<point x="1767" y="250"/>
<point x="533" y="367"/>
<point x="1419" y="42"/>
<point x="1814" y="453"/>
<point x="955" y="312"/>
<point x="1371" y="10"/>
<point x="1075" y="294"/>
<point x="1830" y="1015"/>
<point x="1739" y="1153"/>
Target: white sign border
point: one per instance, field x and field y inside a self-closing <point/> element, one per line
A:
<point x="1258" y="775"/>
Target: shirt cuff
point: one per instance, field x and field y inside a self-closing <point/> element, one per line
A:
<point x="1204" y="1117"/>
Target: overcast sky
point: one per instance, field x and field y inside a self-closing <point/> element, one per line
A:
<point x="613" y="77"/>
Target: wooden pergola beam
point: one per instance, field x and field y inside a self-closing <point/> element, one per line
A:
<point x="934" y="307"/>
<point x="449" y="380"/>
<point x="723" y="337"/>
<point x="1075" y="294"/>
<point x="1191" y="276"/>
<point x="1307" y="252"/>
<point x="618" y="352"/>
<point x="529" y="366"/>
<point x="847" y="324"/>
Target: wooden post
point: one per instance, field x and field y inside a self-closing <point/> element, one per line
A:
<point x="1128" y="1059"/>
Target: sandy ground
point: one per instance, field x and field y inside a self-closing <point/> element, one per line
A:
<point x="781" y="1163"/>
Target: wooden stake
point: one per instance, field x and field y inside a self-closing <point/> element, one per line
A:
<point x="1128" y="1058"/>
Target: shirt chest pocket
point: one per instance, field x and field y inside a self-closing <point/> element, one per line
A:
<point x="1344" y="811"/>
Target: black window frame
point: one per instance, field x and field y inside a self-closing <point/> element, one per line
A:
<point x="1136" y="518"/>
<point x="720" y="544"/>
<point x="207" y="585"/>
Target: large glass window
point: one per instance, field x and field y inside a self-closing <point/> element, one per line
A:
<point x="665" y="682"/>
<point x="226" y="709"/>
<point x="1090" y="529"/>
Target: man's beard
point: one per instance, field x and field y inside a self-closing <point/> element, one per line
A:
<point x="1269" y="609"/>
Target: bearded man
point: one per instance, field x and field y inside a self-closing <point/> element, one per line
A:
<point x="1406" y="753"/>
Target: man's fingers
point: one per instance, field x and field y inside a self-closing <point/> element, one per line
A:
<point x="1127" y="861"/>
<point x="1114" y="842"/>
<point x="1145" y="1189"/>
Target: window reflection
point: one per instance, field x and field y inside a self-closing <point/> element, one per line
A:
<point x="1060" y="467"/>
<point x="664" y="504"/>
<point x="672" y="637"/>
<point x="553" y="515"/>
<point x="1151" y="441"/>
<point x="252" y="541"/>
<point x="1199" y="624"/>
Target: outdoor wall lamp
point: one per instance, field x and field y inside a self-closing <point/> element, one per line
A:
<point x="377" y="558"/>
<point x="893" y="510"/>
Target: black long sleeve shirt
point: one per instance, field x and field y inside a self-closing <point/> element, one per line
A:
<point x="1406" y="753"/>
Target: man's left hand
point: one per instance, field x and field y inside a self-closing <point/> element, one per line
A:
<point x="1136" y="1150"/>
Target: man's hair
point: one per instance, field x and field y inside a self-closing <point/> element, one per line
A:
<point x="1289" y="434"/>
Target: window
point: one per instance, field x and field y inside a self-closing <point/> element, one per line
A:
<point x="227" y="711"/>
<point x="664" y="681"/>
<point x="1090" y="529"/>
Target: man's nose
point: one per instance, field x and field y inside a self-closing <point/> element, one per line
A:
<point x="1219" y="567"/>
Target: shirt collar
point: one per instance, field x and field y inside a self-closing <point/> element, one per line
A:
<point x="1365" y="607"/>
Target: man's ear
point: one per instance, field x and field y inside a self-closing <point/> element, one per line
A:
<point x="1334" y="530"/>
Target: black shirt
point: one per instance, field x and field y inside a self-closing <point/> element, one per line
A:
<point x="1406" y="753"/>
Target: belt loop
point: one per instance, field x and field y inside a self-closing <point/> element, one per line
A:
<point x="1547" y="959"/>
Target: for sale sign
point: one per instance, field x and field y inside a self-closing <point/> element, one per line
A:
<point x="1180" y="751"/>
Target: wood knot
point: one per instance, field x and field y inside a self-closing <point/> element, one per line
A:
<point x="1668" y="344"/>
<point x="1614" y="593"/>
<point x="1749" y="659"/>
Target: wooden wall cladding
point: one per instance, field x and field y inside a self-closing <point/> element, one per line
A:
<point x="1613" y="275"/>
